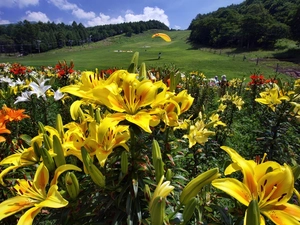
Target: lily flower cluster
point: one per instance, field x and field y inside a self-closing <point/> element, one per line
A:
<point x="198" y="129"/>
<point x="274" y="96"/>
<point x="114" y="118"/>
<point x="143" y="103"/>
<point x="232" y="99"/>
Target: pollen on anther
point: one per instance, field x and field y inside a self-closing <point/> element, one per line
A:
<point x="284" y="194"/>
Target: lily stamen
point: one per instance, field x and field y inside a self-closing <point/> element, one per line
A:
<point x="264" y="157"/>
<point x="264" y="200"/>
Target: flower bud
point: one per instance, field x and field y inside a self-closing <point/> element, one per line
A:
<point x="169" y="175"/>
<point x="157" y="211"/>
<point x="253" y="214"/>
<point x="189" y="210"/>
<point x="59" y="126"/>
<point x="147" y="192"/>
<point x="72" y="185"/>
<point x="195" y="185"/>
<point x="59" y="159"/>
<point x="47" y="159"/>
<point x="92" y="170"/>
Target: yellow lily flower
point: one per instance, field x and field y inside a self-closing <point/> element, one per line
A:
<point x="222" y="107"/>
<point x="105" y="137"/>
<point x="215" y="120"/>
<point x="238" y="101"/>
<point x="198" y="134"/>
<point x="295" y="110"/>
<point x="84" y="89"/>
<point x="169" y="107"/>
<point x="90" y="81"/>
<point x="33" y="195"/>
<point x="184" y="100"/>
<point x="131" y="99"/>
<point x="98" y="139"/>
<point x="272" y="97"/>
<point x="270" y="183"/>
<point x="21" y="158"/>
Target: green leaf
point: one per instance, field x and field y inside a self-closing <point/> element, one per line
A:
<point x="26" y="138"/>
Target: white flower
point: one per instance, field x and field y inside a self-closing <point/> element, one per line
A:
<point x="57" y="95"/>
<point x="33" y="74"/>
<point x="19" y="82"/>
<point x="12" y="84"/>
<point x="39" y="88"/>
<point x="24" y="97"/>
<point x="6" y="80"/>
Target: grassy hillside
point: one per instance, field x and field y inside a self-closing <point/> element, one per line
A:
<point x="118" y="51"/>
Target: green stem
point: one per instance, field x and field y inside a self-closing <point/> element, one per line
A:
<point x="176" y="211"/>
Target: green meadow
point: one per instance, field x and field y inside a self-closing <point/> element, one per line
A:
<point x="117" y="52"/>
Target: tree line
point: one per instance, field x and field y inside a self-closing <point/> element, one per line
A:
<point x="26" y="37"/>
<point x="251" y="24"/>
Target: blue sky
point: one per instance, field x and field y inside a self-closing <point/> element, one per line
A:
<point x="176" y="14"/>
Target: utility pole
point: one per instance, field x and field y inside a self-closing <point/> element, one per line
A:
<point x="39" y="45"/>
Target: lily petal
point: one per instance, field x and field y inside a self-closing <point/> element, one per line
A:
<point x="41" y="177"/>
<point x="11" y="159"/>
<point x="54" y="199"/>
<point x="142" y="119"/>
<point x="61" y="170"/>
<point x="275" y="187"/>
<point x="235" y="188"/>
<point x="28" y="217"/>
<point x="290" y="209"/>
<point x="6" y="171"/>
<point x="14" y="205"/>
<point x="263" y="168"/>
<point x="247" y="168"/>
<point x="281" y="216"/>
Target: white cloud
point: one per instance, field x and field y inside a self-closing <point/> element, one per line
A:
<point x="103" y="19"/>
<point x="177" y="27"/>
<point x="18" y="3"/>
<point x="81" y="14"/>
<point x="148" y="14"/>
<point x="63" y="4"/>
<point x="4" y="21"/>
<point x="76" y="11"/>
<point x="36" y="16"/>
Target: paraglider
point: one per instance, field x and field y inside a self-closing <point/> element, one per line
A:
<point x="163" y="36"/>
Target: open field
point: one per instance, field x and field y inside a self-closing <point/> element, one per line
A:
<point x="118" y="51"/>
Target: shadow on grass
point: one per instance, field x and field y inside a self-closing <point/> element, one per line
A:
<point x="291" y="55"/>
<point x="151" y="59"/>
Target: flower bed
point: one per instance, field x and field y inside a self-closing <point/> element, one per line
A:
<point x="142" y="146"/>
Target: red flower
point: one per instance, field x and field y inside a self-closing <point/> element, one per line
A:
<point x="18" y="69"/>
<point x="256" y="79"/>
<point x="62" y="68"/>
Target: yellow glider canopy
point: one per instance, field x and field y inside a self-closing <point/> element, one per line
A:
<point x="163" y="36"/>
